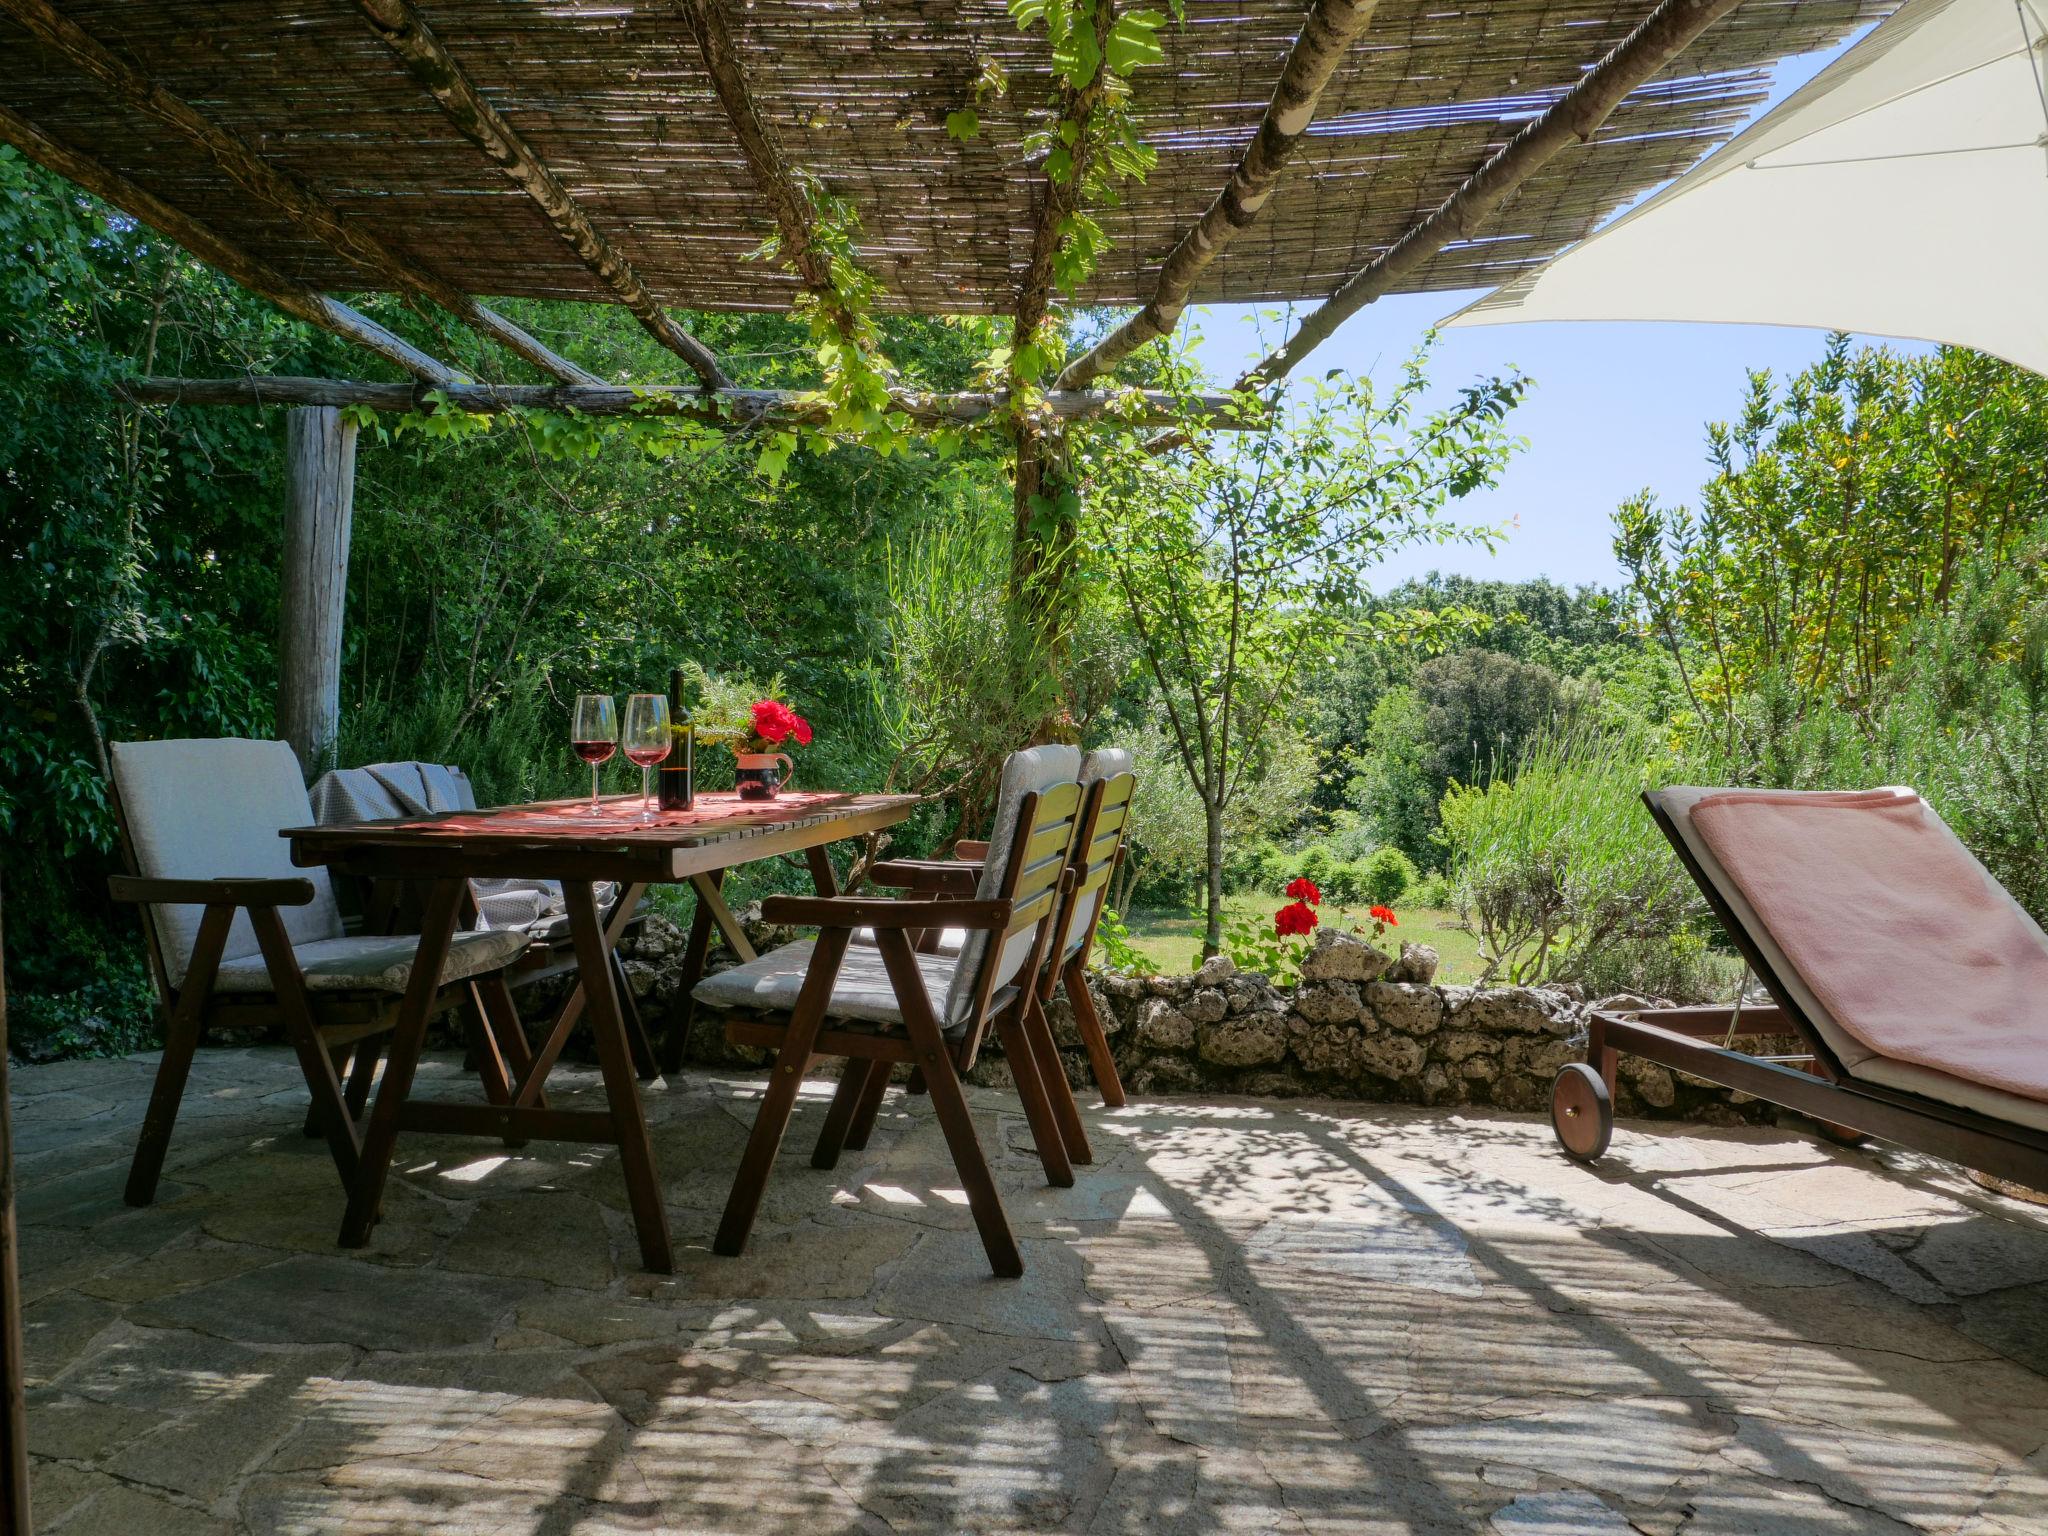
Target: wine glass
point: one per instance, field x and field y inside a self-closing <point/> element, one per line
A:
<point x="646" y="740"/>
<point x="594" y="733"/>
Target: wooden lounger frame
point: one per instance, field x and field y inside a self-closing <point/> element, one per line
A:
<point x="1812" y="1082"/>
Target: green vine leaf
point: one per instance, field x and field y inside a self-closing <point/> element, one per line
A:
<point x="963" y="125"/>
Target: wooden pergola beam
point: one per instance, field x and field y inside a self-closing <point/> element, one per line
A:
<point x="1572" y="119"/>
<point x="731" y="408"/>
<point x="293" y="298"/>
<point x="785" y="195"/>
<point x="305" y="208"/>
<point x="1326" y="35"/>
<point x="443" y="77"/>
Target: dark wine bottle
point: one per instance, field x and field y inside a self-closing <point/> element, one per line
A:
<point x="678" y="776"/>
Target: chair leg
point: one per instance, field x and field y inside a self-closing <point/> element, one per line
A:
<point x="380" y="1136"/>
<point x="181" y="1039"/>
<point x="645" y="1067"/>
<point x="846" y="1102"/>
<point x="1089" y="1022"/>
<point x="675" y="1043"/>
<point x="870" y="1106"/>
<point x="311" y="1129"/>
<point x="751" y="1182"/>
<point x="1052" y="1076"/>
<point x="501" y="1018"/>
<point x="1012" y="1030"/>
<point x="362" y="1073"/>
<point x="315" y="1060"/>
<point x="949" y="1103"/>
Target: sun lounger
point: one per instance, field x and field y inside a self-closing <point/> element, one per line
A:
<point x="1917" y="985"/>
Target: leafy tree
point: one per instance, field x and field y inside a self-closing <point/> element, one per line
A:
<point x="1237" y="567"/>
<point x="1844" y="508"/>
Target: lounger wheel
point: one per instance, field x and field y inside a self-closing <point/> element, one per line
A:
<point x="1581" y="1112"/>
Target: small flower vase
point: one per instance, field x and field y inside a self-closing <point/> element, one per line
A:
<point x="760" y="775"/>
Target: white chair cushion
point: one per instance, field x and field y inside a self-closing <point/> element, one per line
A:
<point x="373" y="963"/>
<point x="951" y="940"/>
<point x="1102" y="763"/>
<point x="211" y="810"/>
<point x="861" y="990"/>
<point x="1031" y="771"/>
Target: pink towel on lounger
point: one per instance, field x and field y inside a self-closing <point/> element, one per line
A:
<point x="1900" y="933"/>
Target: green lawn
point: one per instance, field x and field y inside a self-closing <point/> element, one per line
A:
<point x="1172" y="940"/>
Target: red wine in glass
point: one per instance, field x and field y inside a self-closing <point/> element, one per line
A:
<point x="646" y="739"/>
<point x="594" y="734"/>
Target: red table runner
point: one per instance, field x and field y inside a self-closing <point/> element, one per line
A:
<point x="716" y="810"/>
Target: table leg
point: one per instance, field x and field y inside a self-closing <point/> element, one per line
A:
<point x="380" y="1138"/>
<point x="636" y="1152"/>
<point x="534" y="1078"/>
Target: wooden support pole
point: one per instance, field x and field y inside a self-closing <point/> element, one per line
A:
<point x="320" y="469"/>
<point x="13" y="1370"/>
<point x="1572" y="119"/>
<point x="1326" y="35"/>
<point x="442" y="76"/>
<point x="730" y="409"/>
<point x="293" y="298"/>
<point x="305" y="208"/>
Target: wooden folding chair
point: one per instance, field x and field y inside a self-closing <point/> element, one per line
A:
<point x="1108" y="786"/>
<point x="237" y="937"/>
<point x="875" y="1005"/>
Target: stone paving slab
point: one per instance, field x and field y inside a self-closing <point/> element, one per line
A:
<point x="1251" y="1316"/>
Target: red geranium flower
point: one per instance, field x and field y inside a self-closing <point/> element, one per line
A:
<point x="1301" y="888"/>
<point x="773" y="720"/>
<point x="801" y="730"/>
<point x="1384" y="915"/>
<point x="1296" y="917"/>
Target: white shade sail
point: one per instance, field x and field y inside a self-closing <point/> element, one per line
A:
<point x="1903" y="191"/>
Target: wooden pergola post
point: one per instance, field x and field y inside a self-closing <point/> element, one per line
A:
<point x="13" y="1407"/>
<point x="319" y="504"/>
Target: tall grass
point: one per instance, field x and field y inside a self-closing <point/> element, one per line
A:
<point x="1559" y="867"/>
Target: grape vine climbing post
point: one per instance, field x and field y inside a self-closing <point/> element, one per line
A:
<point x="319" y="502"/>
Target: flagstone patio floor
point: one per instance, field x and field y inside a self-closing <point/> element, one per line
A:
<point x="1248" y="1315"/>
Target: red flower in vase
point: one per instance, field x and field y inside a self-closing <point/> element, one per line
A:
<point x="775" y="722"/>
<point x="1301" y="888"/>
<point x="1296" y="917"/>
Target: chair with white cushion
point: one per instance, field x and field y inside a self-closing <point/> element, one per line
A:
<point x="237" y="935"/>
<point x="1107" y="788"/>
<point x="879" y="1005"/>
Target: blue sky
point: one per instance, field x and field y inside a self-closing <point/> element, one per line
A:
<point x="1616" y="408"/>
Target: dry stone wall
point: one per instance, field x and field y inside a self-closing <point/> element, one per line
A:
<point x="1362" y="1024"/>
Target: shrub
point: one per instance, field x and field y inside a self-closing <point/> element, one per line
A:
<point x="1386" y="876"/>
<point x="1315" y="862"/>
<point x="1432" y="890"/>
<point x="1559" y="863"/>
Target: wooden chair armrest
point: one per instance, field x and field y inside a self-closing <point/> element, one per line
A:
<point x="944" y="875"/>
<point x="967" y="851"/>
<point x="285" y="891"/>
<point x="871" y="912"/>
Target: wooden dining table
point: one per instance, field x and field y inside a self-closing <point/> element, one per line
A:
<point x="566" y="841"/>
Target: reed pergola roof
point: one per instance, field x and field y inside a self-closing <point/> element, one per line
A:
<point x="615" y="98"/>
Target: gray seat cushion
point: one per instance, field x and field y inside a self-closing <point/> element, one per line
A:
<point x="862" y="990"/>
<point x="370" y="963"/>
<point x="209" y="810"/>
